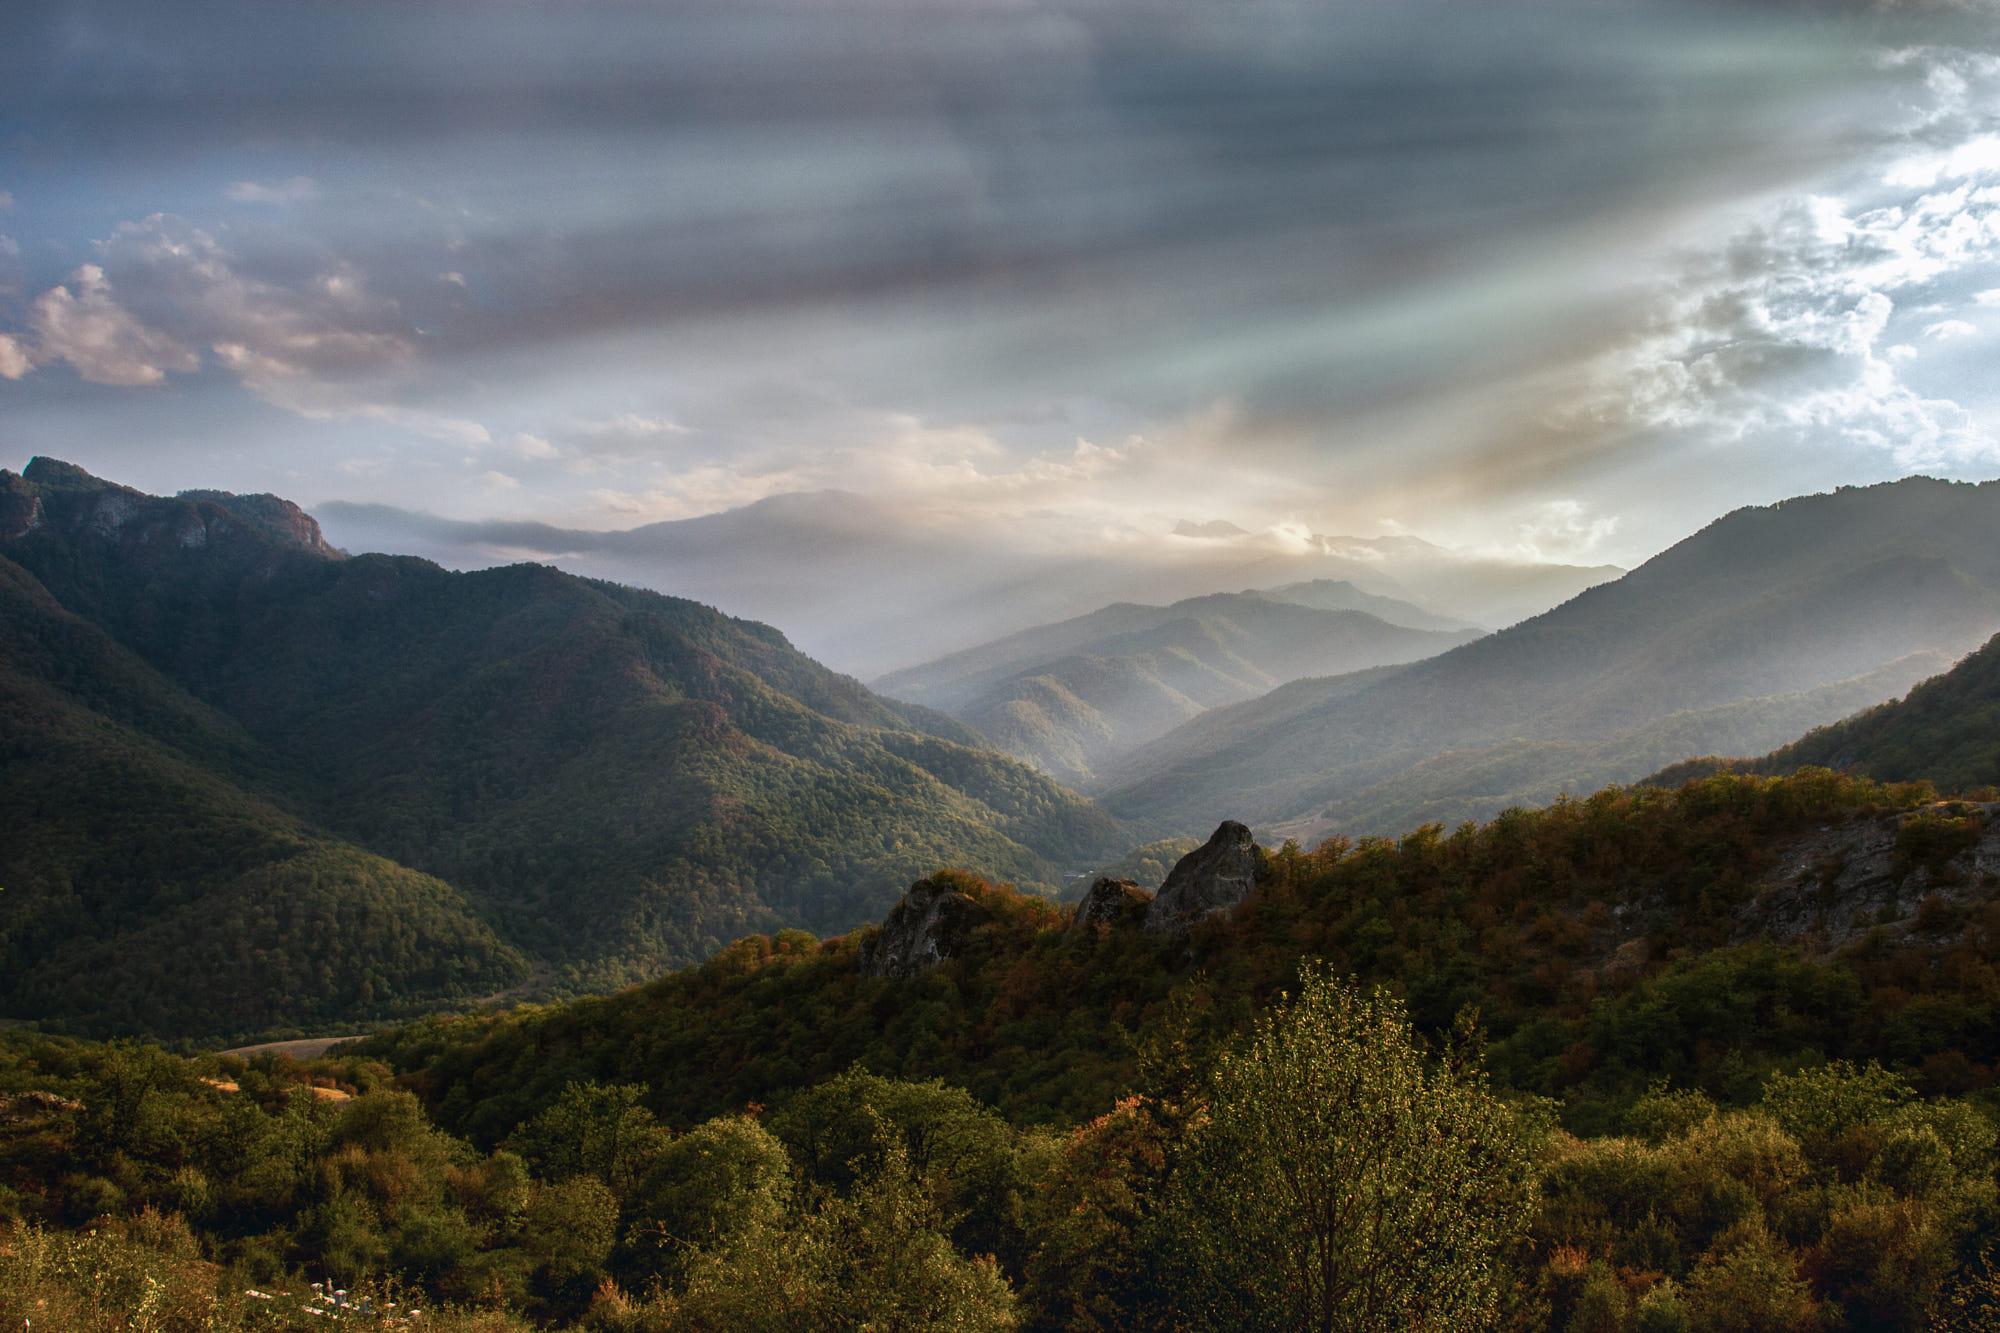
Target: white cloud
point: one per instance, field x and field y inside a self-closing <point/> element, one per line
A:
<point x="317" y="342"/>
<point x="1975" y="157"/>
<point x="1946" y="329"/>
<point x="296" y="190"/>
<point x="500" y="481"/>
<point x="14" y="361"/>
<point x="6" y="202"/>
<point x="1801" y="328"/>
<point x="83" y="324"/>
<point x="949" y="467"/>
<point x="1562" y="531"/>
<point x="633" y="426"/>
<point x="433" y="425"/>
<point x="534" y="447"/>
<point x="453" y="279"/>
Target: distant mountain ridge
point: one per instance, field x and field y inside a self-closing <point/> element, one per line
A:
<point x="1946" y="731"/>
<point x="1073" y="696"/>
<point x="872" y="586"/>
<point x="576" y="780"/>
<point x="1768" y="622"/>
<point x="1342" y="595"/>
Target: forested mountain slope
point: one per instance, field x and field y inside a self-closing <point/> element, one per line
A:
<point x="1945" y="731"/>
<point x="1072" y="697"/>
<point x="611" y="780"/>
<point x="1767" y="622"/>
<point x="145" y="887"/>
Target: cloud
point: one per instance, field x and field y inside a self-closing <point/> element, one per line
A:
<point x="631" y="426"/>
<point x="297" y="190"/>
<point x="6" y="202"/>
<point x="1562" y="531"/>
<point x="534" y="447"/>
<point x="314" y="339"/>
<point x="1946" y="329"/>
<point x="14" y="361"/>
<point x="500" y="481"/>
<point x="1808" y="325"/>
<point x="955" y="468"/>
<point x="83" y="324"/>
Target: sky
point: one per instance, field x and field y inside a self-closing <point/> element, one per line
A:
<point x="1536" y="281"/>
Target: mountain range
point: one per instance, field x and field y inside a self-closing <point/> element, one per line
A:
<point x="252" y="782"/>
<point x="1072" y="697"/>
<point x="870" y="585"/>
<point x="1765" y="624"/>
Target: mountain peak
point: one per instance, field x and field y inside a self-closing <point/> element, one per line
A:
<point x="55" y="474"/>
<point x="67" y="498"/>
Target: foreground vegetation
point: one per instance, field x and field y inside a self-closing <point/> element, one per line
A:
<point x="1532" y="1075"/>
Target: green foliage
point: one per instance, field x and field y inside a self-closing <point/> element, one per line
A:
<point x="1094" y="1194"/>
<point x="708" y="1191"/>
<point x="872" y="1257"/>
<point x="592" y="1130"/>
<point x="1341" y="1181"/>
<point x="849" y="1127"/>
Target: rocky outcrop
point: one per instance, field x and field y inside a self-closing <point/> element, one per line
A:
<point x="1110" y="902"/>
<point x="1846" y="879"/>
<point x="930" y="924"/>
<point x="1212" y="878"/>
<point x="20" y="506"/>
<point x="250" y="532"/>
<point x="272" y="515"/>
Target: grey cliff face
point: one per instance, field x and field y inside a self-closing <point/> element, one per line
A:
<point x="1212" y="878"/>
<point x="930" y="925"/>
<point x="1110" y="903"/>
<point x="1849" y="880"/>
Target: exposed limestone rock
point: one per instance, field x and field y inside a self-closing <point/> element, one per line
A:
<point x="929" y="925"/>
<point x="260" y="529"/>
<point x="1846" y="879"/>
<point x="1110" y="902"/>
<point x="1212" y="878"/>
<point x="272" y="515"/>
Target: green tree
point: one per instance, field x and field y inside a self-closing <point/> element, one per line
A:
<point x="1342" y="1181"/>
<point x="721" y="1180"/>
<point x="567" y="1233"/>
<point x="846" y="1128"/>
<point x="874" y="1258"/>
<point x="592" y="1130"/>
